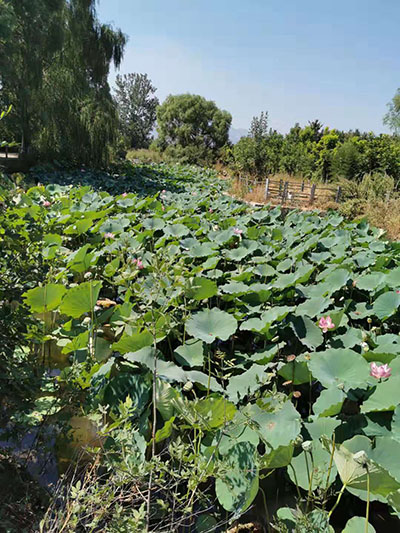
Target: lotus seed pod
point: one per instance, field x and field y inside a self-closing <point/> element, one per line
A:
<point x="188" y="386"/>
<point x="298" y="440"/>
<point x="361" y="457"/>
<point x="307" y="446"/>
<point x="369" y="320"/>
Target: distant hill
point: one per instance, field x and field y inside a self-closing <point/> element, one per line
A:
<point x="236" y="133"/>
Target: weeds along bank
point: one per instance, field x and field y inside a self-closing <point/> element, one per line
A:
<point x="220" y="361"/>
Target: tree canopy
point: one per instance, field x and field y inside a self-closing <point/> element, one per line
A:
<point x="137" y="104"/>
<point x="191" y="127"/>
<point x="392" y="117"/>
<point x="58" y="56"/>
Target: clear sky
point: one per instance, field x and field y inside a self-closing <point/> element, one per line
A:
<point x="334" y="60"/>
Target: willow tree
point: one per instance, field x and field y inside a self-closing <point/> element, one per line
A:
<point x="31" y="32"/>
<point x="58" y="56"/>
<point x="80" y="121"/>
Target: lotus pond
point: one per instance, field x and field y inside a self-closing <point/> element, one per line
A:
<point x="226" y="361"/>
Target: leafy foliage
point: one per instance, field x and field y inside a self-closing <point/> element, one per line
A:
<point x="134" y="95"/>
<point x="314" y="152"/>
<point x="188" y="326"/>
<point x="191" y="128"/>
<point x="57" y="57"/>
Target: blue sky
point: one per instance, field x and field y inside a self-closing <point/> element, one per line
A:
<point x="337" y="60"/>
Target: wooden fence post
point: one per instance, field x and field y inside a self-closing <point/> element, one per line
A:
<point x="266" y="188"/>
<point x="302" y="186"/>
<point x="338" y="194"/>
<point x="285" y="192"/>
<point x="280" y="187"/>
<point x="312" y="193"/>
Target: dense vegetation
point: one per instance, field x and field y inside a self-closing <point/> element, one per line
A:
<point x="172" y="359"/>
<point x="55" y="57"/>
<point x="137" y="105"/>
<point x="192" y="129"/>
<point x="216" y="357"/>
<point x="314" y="152"/>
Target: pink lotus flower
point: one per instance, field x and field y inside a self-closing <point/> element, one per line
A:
<point x="109" y="235"/>
<point x="237" y="231"/>
<point x="164" y="191"/>
<point x="163" y="208"/>
<point x="398" y="292"/>
<point x="326" y="323"/>
<point x="210" y="210"/>
<point x="124" y="194"/>
<point x="139" y="264"/>
<point x="380" y="371"/>
<point x="46" y="203"/>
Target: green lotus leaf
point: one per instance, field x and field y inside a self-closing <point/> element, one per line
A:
<point x="340" y="368"/>
<point x="152" y="224"/>
<point x="211" y="324"/>
<point x="202" y="289"/>
<point x="357" y="525"/>
<point x="307" y="331"/>
<point x="215" y="411"/>
<point x="81" y="299"/>
<point x="191" y="353"/>
<point x="386" y="305"/>
<point x="244" y="384"/>
<point x="278" y="428"/>
<point x="45" y="298"/>
<point x="311" y="468"/>
<point x="384" y="396"/>
<point x="238" y="485"/>
<point x="296" y="371"/>
<point x="176" y="230"/>
<point x="133" y="343"/>
<point x="329" y="402"/>
<point x="149" y="357"/>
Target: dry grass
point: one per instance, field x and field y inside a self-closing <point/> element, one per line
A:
<point x="385" y="215"/>
<point x="251" y="191"/>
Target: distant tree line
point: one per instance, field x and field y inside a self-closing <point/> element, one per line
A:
<point x="314" y="152"/>
<point x="55" y="58"/>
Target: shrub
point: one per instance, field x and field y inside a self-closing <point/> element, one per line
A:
<point x="376" y="186"/>
<point x="353" y="208"/>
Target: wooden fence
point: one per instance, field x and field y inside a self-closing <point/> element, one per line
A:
<point x="292" y="192"/>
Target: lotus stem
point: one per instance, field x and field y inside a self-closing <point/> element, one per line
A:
<point x="338" y="500"/>
<point x="367" y="509"/>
